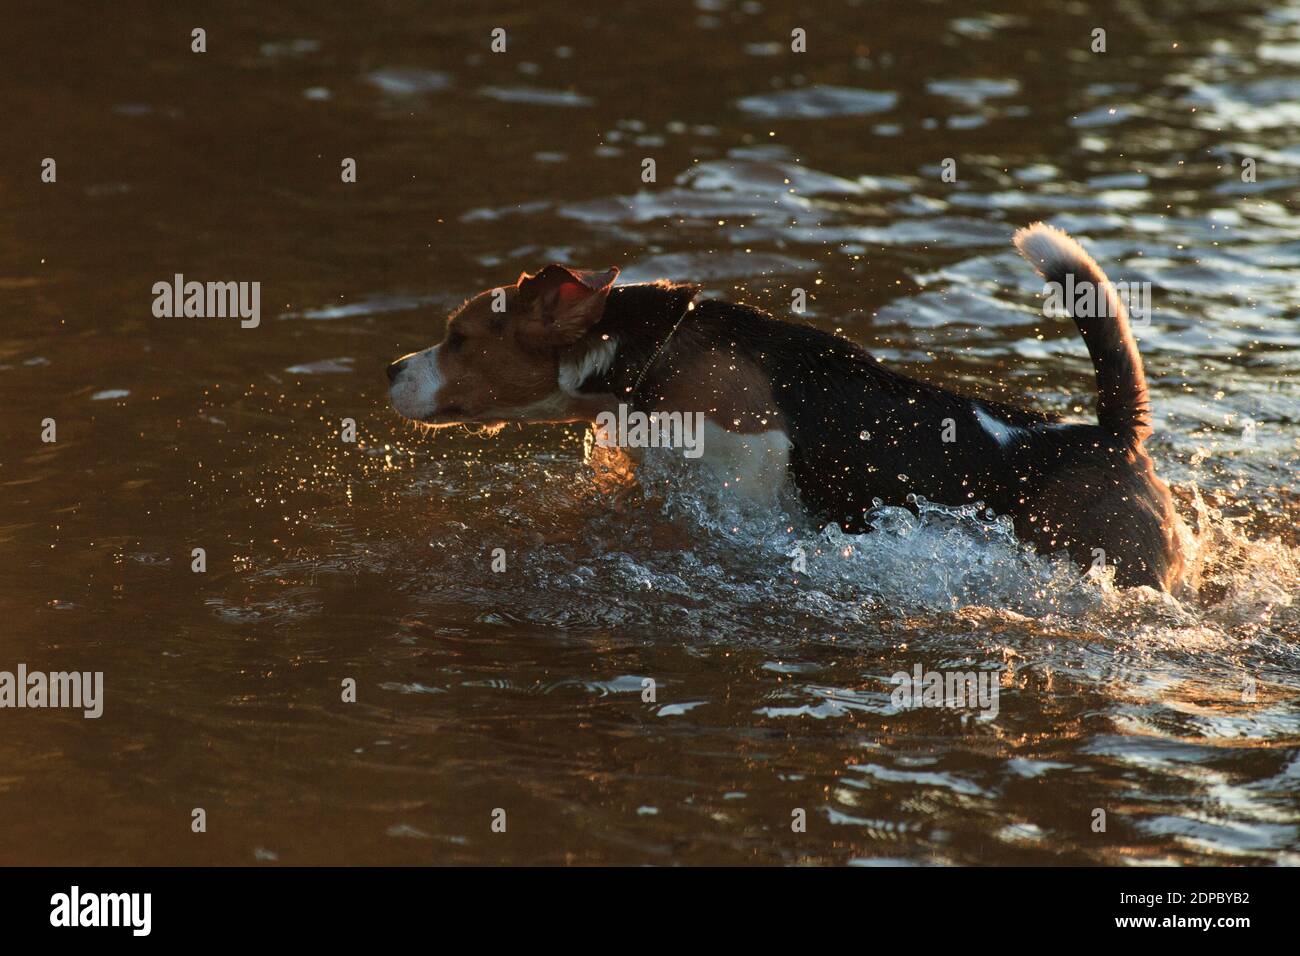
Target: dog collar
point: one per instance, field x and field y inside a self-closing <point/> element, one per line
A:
<point x="690" y="307"/>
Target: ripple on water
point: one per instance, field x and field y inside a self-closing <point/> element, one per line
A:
<point x="408" y="81"/>
<point x="818" y="102"/>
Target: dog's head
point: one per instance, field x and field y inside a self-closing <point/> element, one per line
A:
<point x="500" y="359"/>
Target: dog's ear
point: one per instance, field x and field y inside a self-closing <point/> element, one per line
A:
<point x="561" y="304"/>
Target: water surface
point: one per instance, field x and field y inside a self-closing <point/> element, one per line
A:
<point x="523" y="690"/>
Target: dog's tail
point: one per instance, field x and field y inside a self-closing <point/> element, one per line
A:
<point x="1123" y="405"/>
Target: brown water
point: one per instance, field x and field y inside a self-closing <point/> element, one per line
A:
<point x="522" y="690"/>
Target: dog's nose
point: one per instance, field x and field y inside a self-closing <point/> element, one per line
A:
<point x="395" y="368"/>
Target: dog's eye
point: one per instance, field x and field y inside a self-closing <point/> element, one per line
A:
<point x="454" y="341"/>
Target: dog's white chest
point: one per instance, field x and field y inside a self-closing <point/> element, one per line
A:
<point x="752" y="467"/>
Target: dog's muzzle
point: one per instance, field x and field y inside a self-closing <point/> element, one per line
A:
<point x="413" y="384"/>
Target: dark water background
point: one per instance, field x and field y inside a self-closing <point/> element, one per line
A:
<point x="522" y="690"/>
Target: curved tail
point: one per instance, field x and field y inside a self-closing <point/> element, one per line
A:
<point x="1123" y="404"/>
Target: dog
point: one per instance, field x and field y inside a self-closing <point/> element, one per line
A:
<point x="782" y="399"/>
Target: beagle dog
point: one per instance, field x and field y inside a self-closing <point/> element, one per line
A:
<point x="785" y="400"/>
